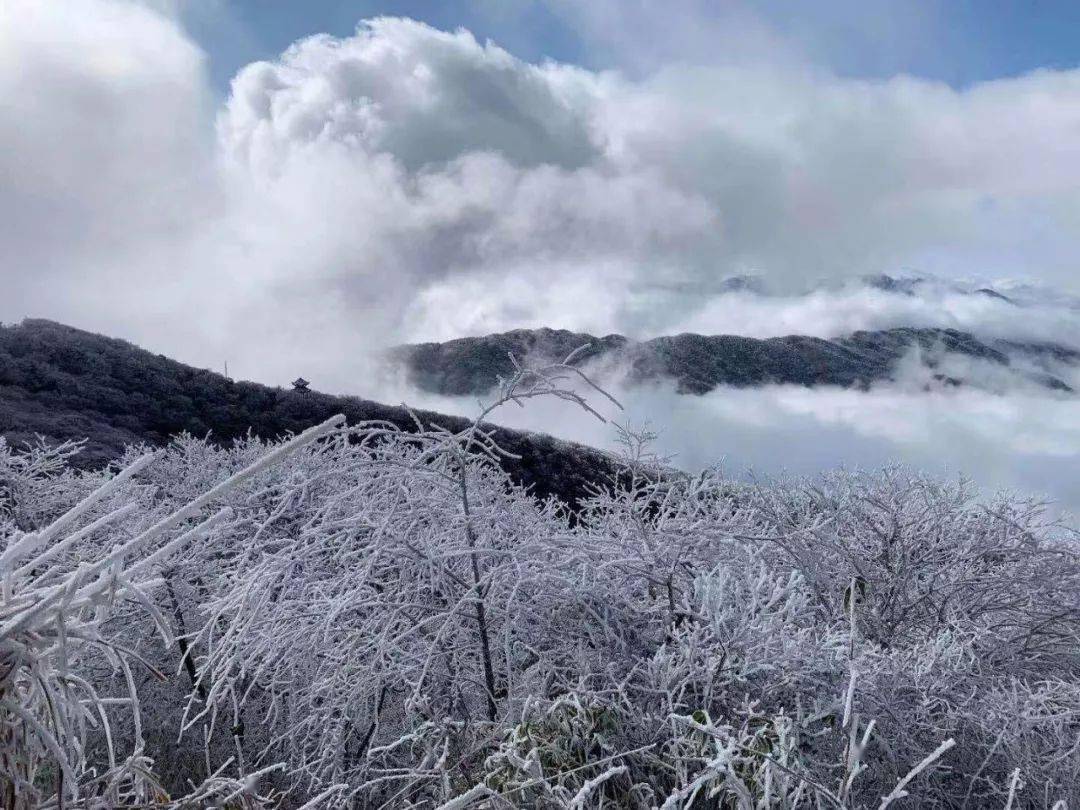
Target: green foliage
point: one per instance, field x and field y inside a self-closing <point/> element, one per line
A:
<point x="557" y="748"/>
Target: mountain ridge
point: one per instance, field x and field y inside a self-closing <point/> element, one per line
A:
<point x="700" y="363"/>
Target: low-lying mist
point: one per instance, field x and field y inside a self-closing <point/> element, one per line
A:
<point x="1020" y="438"/>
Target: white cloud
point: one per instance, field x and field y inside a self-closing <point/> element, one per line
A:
<point x="1026" y="441"/>
<point x="409" y="183"/>
<point x="422" y="95"/>
<point x="106" y="162"/>
<point x="101" y="107"/>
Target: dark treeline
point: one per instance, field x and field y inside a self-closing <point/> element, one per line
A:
<point x="62" y="383"/>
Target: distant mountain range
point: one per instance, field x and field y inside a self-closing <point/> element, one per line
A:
<point x="64" y="383"/>
<point x="1018" y="293"/>
<point x="700" y="363"/>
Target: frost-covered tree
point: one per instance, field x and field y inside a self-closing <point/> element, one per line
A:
<point x="366" y="617"/>
<point x="61" y="585"/>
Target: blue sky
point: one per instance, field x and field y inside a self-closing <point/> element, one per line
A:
<point x="956" y="41"/>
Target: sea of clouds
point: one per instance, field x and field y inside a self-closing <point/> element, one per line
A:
<point x="1027" y="441"/>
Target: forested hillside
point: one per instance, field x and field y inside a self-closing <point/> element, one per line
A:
<point x="699" y="363"/>
<point x="373" y="619"/>
<point x="65" y="383"/>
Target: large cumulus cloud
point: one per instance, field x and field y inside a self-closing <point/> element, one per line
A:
<point x="519" y="194"/>
<point x="424" y="96"/>
<point x="408" y="183"/>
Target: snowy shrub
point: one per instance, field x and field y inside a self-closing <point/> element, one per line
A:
<point x="59" y="597"/>
<point x="366" y="617"/>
